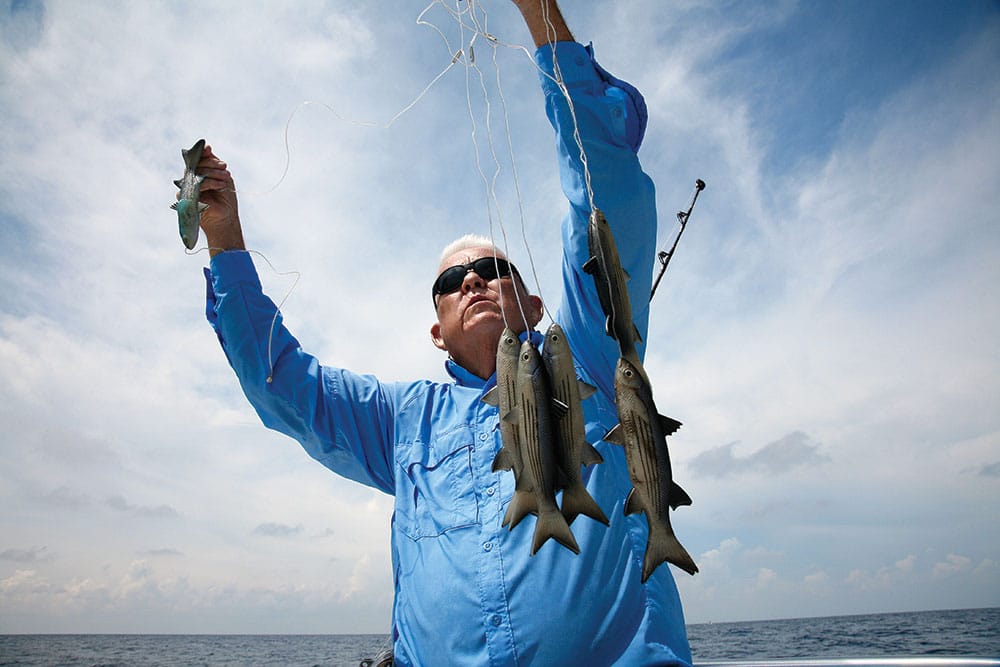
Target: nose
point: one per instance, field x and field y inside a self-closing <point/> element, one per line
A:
<point x="472" y="281"/>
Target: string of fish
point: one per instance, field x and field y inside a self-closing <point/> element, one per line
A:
<point x="526" y="422"/>
<point x="538" y="394"/>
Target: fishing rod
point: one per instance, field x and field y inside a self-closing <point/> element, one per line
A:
<point x="682" y="217"/>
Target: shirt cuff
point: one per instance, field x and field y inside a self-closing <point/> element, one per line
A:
<point x="230" y="268"/>
<point x="579" y="67"/>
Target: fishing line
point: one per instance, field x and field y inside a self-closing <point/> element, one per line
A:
<point x="287" y="166"/>
<point x="489" y="184"/>
<point x="476" y="27"/>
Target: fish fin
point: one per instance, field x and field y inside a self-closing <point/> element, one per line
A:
<point x="591" y="265"/>
<point x="576" y="500"/>
<point x="633" y="504"/>
<point x="663" y="547"/>
<point x="615" y="435"/>
<point x="174" y="206"/>
<point x="202" y="206"/>
<point x="589" y="455"/>
<point x="513" y="416"/>
<point x="553" y="524"/>
<point x="179" y="182"/>
<point x="559" y="409"/>
<point x="586" y="390"/>
<point x="521" y="505"/>
<point x="635" y="332"/>
<point x="492" y="397"/>
<point x="669" y="425"/>
<point x="678" y="496"/>
<point x="504" y="460"/>
<point x="609" y="327"/>
<point x="625" y="273"/>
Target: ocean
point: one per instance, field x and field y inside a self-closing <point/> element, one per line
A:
<point x="965" y="633"/>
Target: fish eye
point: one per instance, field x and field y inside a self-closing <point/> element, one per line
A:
<point x="525" y="356"/>
<point x="628" y="373"/>
<point x="509" y="341"/>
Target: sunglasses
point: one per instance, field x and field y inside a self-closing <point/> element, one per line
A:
<point x="486" y="268"/>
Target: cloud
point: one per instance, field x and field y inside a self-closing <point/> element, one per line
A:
<point x="119" y="504"/>
<point x="63" y="497"/>
<point x="990" y="470"/>
<point x="277" y="530"/>
<point x="844" y="292"/>
<point x="952" y="565"/>
<point x="792" y="451"/>
<point x="163" y="552"/>
<point x="30" y="555"/>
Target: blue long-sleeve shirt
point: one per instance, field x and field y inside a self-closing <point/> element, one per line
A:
<point x="466" y="590"/>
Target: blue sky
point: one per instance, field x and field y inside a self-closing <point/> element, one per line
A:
<point x="826" y="331"/>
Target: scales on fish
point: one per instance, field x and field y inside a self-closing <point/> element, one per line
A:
<point x="187" y="205"/>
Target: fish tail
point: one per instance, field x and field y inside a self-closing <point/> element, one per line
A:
<point x="192" y="156"/>
<point x="521" y="505"/>
<point x="663" y="546"/>
<point x="553" y="524"/>
<point x="577" y="500"/>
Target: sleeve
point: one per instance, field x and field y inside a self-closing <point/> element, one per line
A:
<point x="610" y="120"/>
<point x="343" y="420"/>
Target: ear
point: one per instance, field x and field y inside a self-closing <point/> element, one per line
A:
<point x="436" y="337"/>
<point x="534" y="310"/>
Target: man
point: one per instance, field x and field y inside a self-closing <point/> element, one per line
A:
<point x="467" y="591"/>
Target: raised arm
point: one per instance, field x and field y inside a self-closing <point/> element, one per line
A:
<point x="609" y="117"/>
<point x="342" y="419"/>
<point x="544" y="21"/>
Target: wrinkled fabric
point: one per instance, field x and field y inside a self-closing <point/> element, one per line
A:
<point x="466" y="590"/>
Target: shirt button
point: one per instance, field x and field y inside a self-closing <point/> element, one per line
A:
<point x="483" y="436"/>
<point x="496" y="619"/>
<point x="487" y="546"/>
<point x="490" y="491"/>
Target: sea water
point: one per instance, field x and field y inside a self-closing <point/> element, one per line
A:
<point x="966" y="633"/>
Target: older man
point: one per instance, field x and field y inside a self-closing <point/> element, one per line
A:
<point x="467" y="590"/>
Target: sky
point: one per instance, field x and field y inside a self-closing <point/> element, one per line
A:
<point x="826" y="330"/>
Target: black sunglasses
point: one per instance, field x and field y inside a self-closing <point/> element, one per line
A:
<point x="486" y="268"/>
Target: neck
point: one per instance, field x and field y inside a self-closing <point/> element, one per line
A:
<point x="481" y="361"/>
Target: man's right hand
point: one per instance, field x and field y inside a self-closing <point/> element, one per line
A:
<point x="221" y="220"/>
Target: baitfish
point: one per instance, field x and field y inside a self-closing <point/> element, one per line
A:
<point x="643" y="432"/>
<point x="187" y="205"/>
<point x="504" y="396"/>
<point x="573" y="450"/>
<point x="609" y="278"/>
<point x="537" y="450"/>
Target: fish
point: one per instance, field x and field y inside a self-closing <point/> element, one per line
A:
<point x="537" y="450"/>
<point x="643" y="432"/>
<point x="572" y="448"/>
<point x="504" y="397"/>
<point x="605" y="266"/>
<point x="187" y="205"/>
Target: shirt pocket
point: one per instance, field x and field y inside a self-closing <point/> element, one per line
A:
<point x="434" y="485"/>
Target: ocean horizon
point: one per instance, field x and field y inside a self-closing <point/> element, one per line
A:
<point x="966" y="633"/>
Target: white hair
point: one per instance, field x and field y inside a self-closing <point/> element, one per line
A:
<point x="470" y="241"/>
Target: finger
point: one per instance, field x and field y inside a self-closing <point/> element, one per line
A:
<point x="217" y="179"/>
